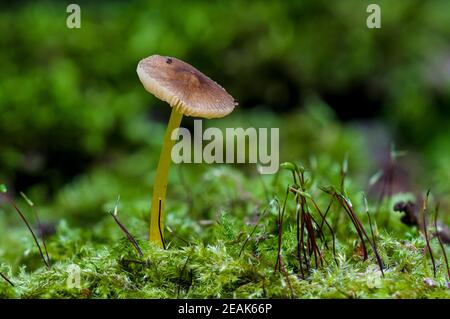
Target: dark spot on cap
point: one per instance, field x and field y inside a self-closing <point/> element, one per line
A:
<point x="169" y="61"/>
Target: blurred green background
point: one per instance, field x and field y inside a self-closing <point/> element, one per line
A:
<point x="71" y="102"/>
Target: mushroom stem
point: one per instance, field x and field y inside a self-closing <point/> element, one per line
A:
<point x="160" y="185"/>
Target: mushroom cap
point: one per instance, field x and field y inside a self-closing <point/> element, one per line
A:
<point x="184" y="87"/>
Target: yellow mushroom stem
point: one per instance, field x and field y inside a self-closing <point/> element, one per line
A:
<point x="160" y="185"/>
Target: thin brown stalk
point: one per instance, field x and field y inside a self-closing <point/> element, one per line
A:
<point x="38" y="222"/>
<point x="444" y="253"/>
<point x="299" y="232"/>
<point x="370" y="225"/>
<point x="319" y="231"/>
<point x="328" y="225"/>
<point x="300" y="240"/>
<point x="314" y="249"/>
<point x="159" y="225"/>
<point x="303" y="229"/>
<point x="326" y="212"/>
<point x="425" y="232"/>
<point x="281" y="212"/>
<point x="127" y="234"/>
<point x="253" y="231"/>
<point x="30" y="229"/>
<point x="348" y="209"/>
<point x="303" y="203"/>
<point x="286" y="275"/>
<point x="361" y="232"/>
<point x="6" y="279"/>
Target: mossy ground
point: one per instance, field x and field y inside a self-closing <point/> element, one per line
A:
<point x="222" y="233"/>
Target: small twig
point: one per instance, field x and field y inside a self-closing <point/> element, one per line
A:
<point x="6" y="279"/>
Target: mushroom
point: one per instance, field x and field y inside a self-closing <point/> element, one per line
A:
<point x="189" y="92"/>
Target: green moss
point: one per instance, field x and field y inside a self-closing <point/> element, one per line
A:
<point x="222" y="231"/>
<point x="208" y="259"/>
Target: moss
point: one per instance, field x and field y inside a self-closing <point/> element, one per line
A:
<point x="222" y="235"/>
<point x="206" y="260"/>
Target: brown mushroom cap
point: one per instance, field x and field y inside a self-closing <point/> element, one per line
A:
<point x="184" y="87"/>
